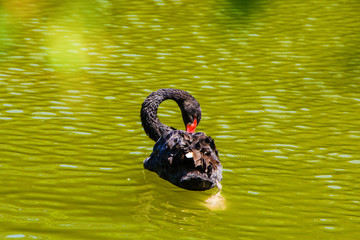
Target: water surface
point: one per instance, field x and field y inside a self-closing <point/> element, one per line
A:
<point x="278" y="83"/>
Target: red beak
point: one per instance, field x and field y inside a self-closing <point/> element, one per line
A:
<point x="190" y="127"/>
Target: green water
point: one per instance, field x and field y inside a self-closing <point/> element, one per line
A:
<point x="278" y="83"/>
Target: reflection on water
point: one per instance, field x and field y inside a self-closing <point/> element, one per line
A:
<point x="278" y="86"/>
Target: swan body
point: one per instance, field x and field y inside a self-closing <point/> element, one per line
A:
<point x="186" y="159"/>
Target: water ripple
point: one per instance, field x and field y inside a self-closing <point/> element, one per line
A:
<point x="278" y="87"/>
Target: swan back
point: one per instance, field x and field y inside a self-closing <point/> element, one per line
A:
<point x="187" y="160"/>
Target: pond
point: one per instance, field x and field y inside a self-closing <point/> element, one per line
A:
<point x="279" y="87"/>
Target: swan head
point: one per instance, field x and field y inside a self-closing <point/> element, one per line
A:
<point x="191" y="113"/>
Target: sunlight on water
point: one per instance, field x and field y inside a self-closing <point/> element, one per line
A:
<point x="216" y="201"/>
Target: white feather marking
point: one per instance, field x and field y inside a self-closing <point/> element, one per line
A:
<point x="189" y="155"/>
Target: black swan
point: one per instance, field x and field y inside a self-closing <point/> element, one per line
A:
<point x="184" y="158"/>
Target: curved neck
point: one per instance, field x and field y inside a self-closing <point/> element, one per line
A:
<point x="149" y="119"/>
